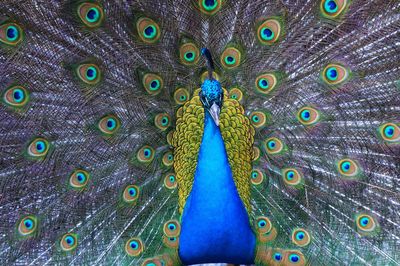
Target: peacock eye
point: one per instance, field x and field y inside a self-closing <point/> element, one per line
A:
<point x="181" y="96"/>
<point x="209" y="7"/>
<point x="145" y="154"/>
<point x="291" y="177"/>
<point x="366" y="224"/>
<point x="170" y="181"/>
<point x="389" y="132"/>
<point x="109" y="125"/>
<point x="16" y="96"/>
<point x="294" y="257"/>
<point x="153" y="83"/>
<point x="308" y="116"/>
<point x="189" y="53"/>
<point x="38" y="148"/>
<point x="91" y="14"/>
<point x="231" y="58"/>
<point x="269" y="31"/>
<point x="11" y="34"/>
<point x="257" y="177"/>
<point x="130" y="194"/>
<point x="335" y="74"/>
<point x="134" y="247"/>
<point x="301" y="237"/>
<point x="237" y="94"/>
<point x="265" y="83"/>
<point x="263" y="225"/>
<point x="168" y="159"/>
<point x="333" y="8"/>
<point x="258" y="119"/>
<point x="79" y="179"/>
<point x="69" y="242"/>
<point x="148" y="30"/>
<point x="89" y="73"/>
<point x="348" y="168"/>
<point x="274" y="146"/>
<point x="27" y="225"/>
<point x="171" y="242"/>
<point x="162" y="121"/>
<point x="172" y="228"/>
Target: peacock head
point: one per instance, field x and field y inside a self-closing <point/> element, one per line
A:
<point x="211" y="93"/>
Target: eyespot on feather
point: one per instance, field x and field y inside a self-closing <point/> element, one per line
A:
<point x="348" y="168"/>
<point x="269" y="31"/>
<point x="79" y="179"/>
<point x="38" y="148"/>
<point x="172" y="228"/>
<point x="293" y="258"/>
<point x="189" y="52"/>
<point x="274" y="146"/>
<point x="134" y="247"/>
<point x="333" y="8"/>
<point x="171" y="242"/>
<point x="259" y="119"/>
<point x="152" y="83"/>
<point x="181" y="96"/>
<point x="130" y="194"/>
<point x="162" y="121"/>
<point x="91" y="14"/>
<point x="145" y="154"/>
<point x="209" y="7"/>
<point x="257" y="177"/>
<point x="231" y="58"/>
<point x="109" y="124"/>
<point x="236" y="94"/>
<point x="277" y="255"/>
<point x="11" y="34"/>
<point x="170" y="181"/>
<point x="301" y="237"/>
<point x="263" y="225"/>
<point x="308" y="116"/>
<point x="366" y="224"/>
<point x="16" y="96"/>
<point x="335" y="74"/>
<point x="168" y="159"/>
<point x="69" y="242"/>
<point x="292" y="177"/>
<point x="265" y="83"/>
<point x="89" y="73"/>
<point x="148" y="30"/>
<point x="389" y="132"/>
<point x="27" y="226"/>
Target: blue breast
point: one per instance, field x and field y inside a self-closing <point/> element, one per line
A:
<point x="215" y="224"/>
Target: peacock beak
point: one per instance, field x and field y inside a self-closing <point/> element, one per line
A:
<point x="214" y="112"/>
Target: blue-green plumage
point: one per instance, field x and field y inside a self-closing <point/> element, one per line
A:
<point x="215" y="224"/>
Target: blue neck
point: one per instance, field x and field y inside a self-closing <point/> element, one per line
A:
<point x="215" y="224"/>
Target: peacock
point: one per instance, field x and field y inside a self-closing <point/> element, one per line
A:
<point x="183" y="132"/>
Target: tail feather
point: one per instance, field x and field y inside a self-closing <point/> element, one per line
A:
<point x="65" y="111"/>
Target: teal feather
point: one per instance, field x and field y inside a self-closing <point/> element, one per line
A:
<point x="352" y="218"/>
